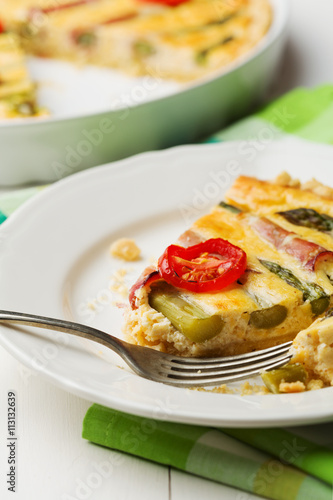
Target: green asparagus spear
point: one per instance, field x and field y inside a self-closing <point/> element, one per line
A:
<point x="144" y="48"/>
<point x="307" y="217"/>
<point x="311" y="291"/>
<point x="86" y="39"/>
<point x="186" y="317"/>
<point x="231" y="208"/>
<point x="268" y="317"/>
<point x="202" y="55"/>
<point x="201" y="27"/>
<point x="288" y="373"/>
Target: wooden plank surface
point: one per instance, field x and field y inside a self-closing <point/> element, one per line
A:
<point x="54" y="462"/>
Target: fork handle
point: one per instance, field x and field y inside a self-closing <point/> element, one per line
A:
<point x="77" y="329"/>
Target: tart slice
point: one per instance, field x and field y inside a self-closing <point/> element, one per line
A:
<point x="285" y="285"/>
<point x="311" y="365"/>
<point x="313" y="348"/>
<point x="17" y="91"/>
<point x="65" y="29"/>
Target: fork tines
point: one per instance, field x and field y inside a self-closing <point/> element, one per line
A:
<point x="209" y="371"/>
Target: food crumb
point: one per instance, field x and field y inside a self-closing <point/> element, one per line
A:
<point x="120" y="273"/>
<point x="221" y="389"/>
<point x="314" y="384"/>
<point x="121" y="290"/>
<point x="284" y="179"/>
<point x="314" y="186"/>
<point x="248" y="389"/>
<point x="292" y="387"/>
<point x="125" y="249"/>
<point x="318" y="188"/>
<point x="117" y="283"/>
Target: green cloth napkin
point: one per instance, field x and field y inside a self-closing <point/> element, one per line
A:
<point x="9" y="202"/>
<point x="303" y="113"/>
<point x="213" y="454"/>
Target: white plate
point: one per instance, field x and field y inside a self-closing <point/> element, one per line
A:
<point x="55" y="259"/>
<point x="100" y="115"/>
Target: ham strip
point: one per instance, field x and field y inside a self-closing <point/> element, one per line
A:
<point x="89" y="30"/>
<point x="55" y="8"/>
<point x="125" y="17"/>
<point x="309" y="254"/>
<point x="148" y="276"/>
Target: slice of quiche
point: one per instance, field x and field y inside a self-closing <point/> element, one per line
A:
<point x="313" y="348"/>
<point x="200" y="301"/>
<point x="181" y="39"/>
<point x="17" y="91"/>
<point x="64" y="29"/>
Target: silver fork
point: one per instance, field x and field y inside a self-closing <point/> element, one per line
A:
<point x="161" y="367"/>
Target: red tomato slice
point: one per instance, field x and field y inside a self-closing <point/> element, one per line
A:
<point x="206" y="267"/>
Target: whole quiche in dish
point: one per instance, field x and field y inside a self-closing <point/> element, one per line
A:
<point x="168" y="39"/>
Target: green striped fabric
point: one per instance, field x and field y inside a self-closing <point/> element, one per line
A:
<point x="300" y="452"/>
<point x="3" y="217"/>
<point x="9" y="202"/>
<point x="212" y="454"/>
<point x="304" y="113"/>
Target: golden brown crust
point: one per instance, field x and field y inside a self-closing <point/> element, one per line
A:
<point x="313" y="186"/>
<point x="265" y="197"/>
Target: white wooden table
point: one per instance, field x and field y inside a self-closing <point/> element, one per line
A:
<point x="54" y="463"/>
